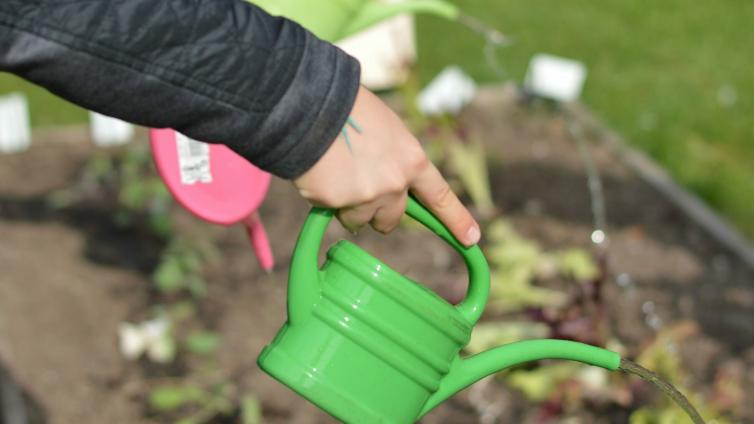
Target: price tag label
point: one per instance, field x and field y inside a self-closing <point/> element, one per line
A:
<point x="193" y="160"/>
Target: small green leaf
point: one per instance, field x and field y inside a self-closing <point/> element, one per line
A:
<point x="168" y="275"/>
<point x="170" y="398"/>
<point x="161" y="224"/>
<point x="133" y="195"/>
<point x="191" y="260"/>
<point x="203" y="343"/>
<point x="577" y="264"/>
<point x="251" y="410"/>
<point x="469" y="162"/>
<point x="196" y="286"/>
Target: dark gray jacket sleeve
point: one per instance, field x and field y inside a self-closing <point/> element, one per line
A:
<point x="216" y="70"/>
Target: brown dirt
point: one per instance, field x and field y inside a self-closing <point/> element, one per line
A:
<point x="69" y="277"/>
<point x="58" y="310"/>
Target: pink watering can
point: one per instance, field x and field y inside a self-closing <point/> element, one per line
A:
<point x="215" y="184"/>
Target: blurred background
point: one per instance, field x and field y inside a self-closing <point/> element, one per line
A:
<point x="606" y="147"/>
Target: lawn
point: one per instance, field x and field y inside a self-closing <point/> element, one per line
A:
<point x="673" y="77"/>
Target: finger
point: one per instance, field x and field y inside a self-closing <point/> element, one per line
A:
<point x="388" y="216"/>
<point x="355" y="217"/>
<point x="434" y="192"/>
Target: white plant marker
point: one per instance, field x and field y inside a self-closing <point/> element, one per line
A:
<point x="385" y="52"/>
<point x="449" y="92"/>
<point x="555" y="77"/>
<point x="15" y="129"/>
<point x="107" y="131"/>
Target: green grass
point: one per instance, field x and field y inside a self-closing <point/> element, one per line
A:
<point x="657" y="70"/>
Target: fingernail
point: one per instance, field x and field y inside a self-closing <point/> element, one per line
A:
<point x="473" y="235"/>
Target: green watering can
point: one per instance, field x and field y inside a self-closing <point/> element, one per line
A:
<point x="333" y="20"/>
<point x="368" y="345"/>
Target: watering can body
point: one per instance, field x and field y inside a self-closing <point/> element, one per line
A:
<point x="333" y="20"/>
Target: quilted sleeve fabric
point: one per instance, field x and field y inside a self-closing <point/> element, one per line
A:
<point x="216" y="70"/>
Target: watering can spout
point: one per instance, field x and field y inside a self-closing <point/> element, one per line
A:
<point x="465" y="372"/>
<point x="373" y="12"/>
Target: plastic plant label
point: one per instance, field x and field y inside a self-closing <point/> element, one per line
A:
<point x="555" y="78"/>
<point x="384" y="51"/>
<point x="107" y="131"/>
<point x="449" y="92"/>
<point x="15" y="129"/>
<point x="193" y="160"/>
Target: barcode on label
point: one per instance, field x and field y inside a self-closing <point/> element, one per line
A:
<point x="193" y="160"/>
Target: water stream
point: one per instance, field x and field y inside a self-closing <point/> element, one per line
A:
<point x="631" y="367"/>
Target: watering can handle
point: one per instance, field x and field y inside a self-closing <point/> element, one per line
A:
<point x="302" y="296"/>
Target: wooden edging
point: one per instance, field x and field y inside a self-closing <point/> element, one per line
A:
<point x="660" y="180"/>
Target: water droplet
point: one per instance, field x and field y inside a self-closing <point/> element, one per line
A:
<point x="598" y="237"/>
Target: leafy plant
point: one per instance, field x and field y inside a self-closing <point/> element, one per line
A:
<point x="517" y="263"/>
<point x="181" y="267"/>
<point x="450" y="145"/>
<point x="203" y="342"/>
<point x="175" y="328"/>
<point x="194" y="404"/>
<point x="467" y="159"/>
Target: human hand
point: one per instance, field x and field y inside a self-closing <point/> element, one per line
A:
<point x="367" y="176"/>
